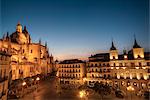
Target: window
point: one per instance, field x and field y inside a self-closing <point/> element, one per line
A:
<point x="108" y="65"/>
<point x="104" y="76"/>
<point x="132" y="64"/>
<point x="104" y="64"/>
<point x="31" y="51"/>
<point x="114" y="64"/>
<point x="113" y="57"/>
<point x="139" y="56"/>
<point x="92" y="75"/>
<point x="104" y="70"/>
<point x="148" y="63"/>
<point x="23" y="51"/>
<point x="140" y="64"/>
<point x="120" y="64"/>
<point x="76" y="66"/>
<point x="108" y="76"/>
<point x="100" y="70"/>
<point x="92" y="70"/>
<point x="95" y="65"/>
<point x="96" y="70"/>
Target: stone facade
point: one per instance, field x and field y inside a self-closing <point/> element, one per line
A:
<point x="5" y="70"/>
<point x="28" y="59"/>
<point x="118" y="70"/>
<point x="71" y="71"/>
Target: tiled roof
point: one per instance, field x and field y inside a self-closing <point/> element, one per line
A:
<point x="71" y="61"/>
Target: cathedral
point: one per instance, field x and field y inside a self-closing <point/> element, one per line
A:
<point x="28" y="59"/>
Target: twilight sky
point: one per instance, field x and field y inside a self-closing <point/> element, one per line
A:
<point x="79" y="28"/>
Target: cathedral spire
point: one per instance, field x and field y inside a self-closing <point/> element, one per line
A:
<point x="40" y="41"/>
<point x="25" y="28"/>
<point x="112" y="46"/>
<point x="135" y="43"/>
<point x="7" y="36"/>
<point x="45" y="44"/>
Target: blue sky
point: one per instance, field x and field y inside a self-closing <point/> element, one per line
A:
<point x="79" y="28"/>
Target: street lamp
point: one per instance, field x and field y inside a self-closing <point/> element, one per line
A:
<point x="82" y="94"/>
<point x="37" y="78"/>
<point x="130" y="88"/>
<point x="84" y="80"/>
<point x="23" y="84"/>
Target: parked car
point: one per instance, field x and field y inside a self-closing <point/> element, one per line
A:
<point x="13" y="96"/>
<point x="119" y="94"/>
<point x="147" y="95"/>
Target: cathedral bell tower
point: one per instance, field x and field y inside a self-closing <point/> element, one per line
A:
<point x="138" y="51"/>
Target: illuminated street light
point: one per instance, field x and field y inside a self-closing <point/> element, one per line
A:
<point x="130" y="88"/>
<point x="24" y="83"/>
<point x="37" y="78"/>
<point x="82" y="94"/>
<point x="84" y="79"/>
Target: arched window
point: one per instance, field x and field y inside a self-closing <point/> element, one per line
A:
<point x="76" y="66"/>
<point x="79" y="66"/>
<point x="95" y="65"/>
<point x="96" y="70"/>
<point x="113" y="57"/>
<point x="139" y="56"/>
<point x="140" y="64"/>
<point x="92" y="75"/>
<point x="104" y="64"/>
<point x="108" y="65"/>
<point x="100" y="65"/>
<point x="114" y="64"/>
<point x="23" y="51"/>
<point x="92" y="70"/>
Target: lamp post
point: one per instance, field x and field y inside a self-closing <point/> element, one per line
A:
<point x="37" y="79"/>
<point x="84" y="80"/>
<point x="83" y="94"/>
<point x="23" y="84"/>
<point x="130" y="89"/>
